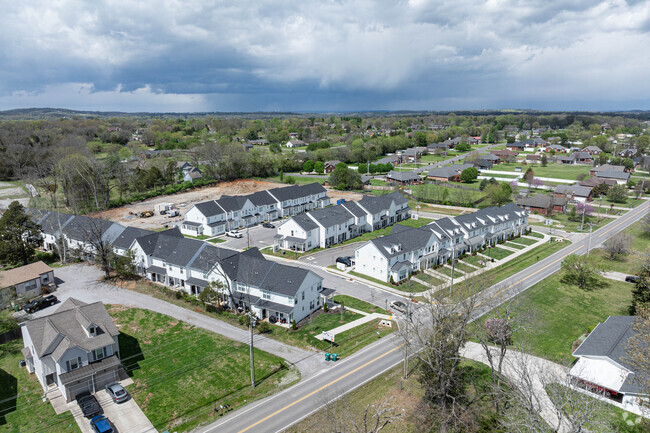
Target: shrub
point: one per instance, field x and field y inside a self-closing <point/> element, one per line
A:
<point x="293" y="325"/>
<point x="263" y="327"/>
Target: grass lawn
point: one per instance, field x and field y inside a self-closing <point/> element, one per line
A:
<point x="558" y="171"/>
<point x="497" y="253"/>
<point x="416" y="222"/>
<point x="446" y="270"/>
<point x="507" y="269"/>
<point x="426" y="207"/>
<point x="575" y="225"/>
<point x="515" y="246"/>
<point x="168" y="358"/>
<point x="199" y="237"/>
<point x="358" y="304"/>
<point x="534" y="234"/>
<point x="346" y="342"/>
<point x="627" y="263"/>
<point x="409" y="286"/>
<point x="7" y="322"/>
<point x="441" y="193"/>
<point x="630" y="201"/>
<point x="474" y="260"/>
<point x="378" y="182"/>
<point x="465" y="268"/>
<point x="21" y="407"/>
<point x="561" y="313"/>
<point x="524" y="241"/>
<point x="429" y="279"/>
<point x="216" y="240"/>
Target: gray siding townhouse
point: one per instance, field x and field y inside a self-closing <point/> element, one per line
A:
<point x="75" y="349"/>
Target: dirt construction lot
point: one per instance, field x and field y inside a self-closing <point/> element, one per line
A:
<point x="183" y="201"/>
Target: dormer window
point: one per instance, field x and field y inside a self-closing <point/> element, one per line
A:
<point x="92" y="330"/>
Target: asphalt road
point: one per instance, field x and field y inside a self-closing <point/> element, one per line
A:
<point x="257" y="236"/>
<point x="290" y="406"/>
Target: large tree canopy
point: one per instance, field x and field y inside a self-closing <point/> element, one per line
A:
<point x="19" y="236"/>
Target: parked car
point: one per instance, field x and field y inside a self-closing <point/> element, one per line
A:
<point x="631" y="279"/>
<point x="268" y="226"/>
<point x="40" y="303"/>
<point x="347" y="261"/>
<point x="117" y="392"/>
<point x="89" y="405"/>
<point x="399" y="306"/>
<point x="233" y="234"/>
<point x="101" y="424"/>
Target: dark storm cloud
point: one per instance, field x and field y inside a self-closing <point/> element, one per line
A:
<point x="324" y="55"/>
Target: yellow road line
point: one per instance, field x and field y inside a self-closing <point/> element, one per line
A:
<point x="319" y="389"/>
<point x="396" y="348"/>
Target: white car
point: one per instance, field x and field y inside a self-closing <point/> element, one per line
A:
<point x="233" y="234"/>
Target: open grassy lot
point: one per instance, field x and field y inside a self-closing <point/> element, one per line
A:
<point x="558" y="171"/>
<point x="574" y="226"/>
<point x="441" y="193"/>
<point x="626" y="263"/>
<point x="21" y="407"/>
<point x="180" y="371"/>
<point x="561" y="313"/>
<point x="378" y="182"/>
<point x="358" y="304"/>
<point x="299" y="180"/>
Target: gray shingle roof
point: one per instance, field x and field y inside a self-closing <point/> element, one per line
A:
<point x="67" y="324"/>
<point x="330" y="216"/>
<point x="170" y="247"/>
<point x="232" y="203"/>
<point x="209" y="256"/>
<point x="209" y="208"/>
<point x="262" y="198"/>
<point x="581" y="191"/>
<point x="403" y="176"/>
<point x="55" y="221"/>
<point x="449" y="171"/>
<point x="541" y="201"/>
<point x="126" y="238"/>
<point x="354" y="208"/>
<point x="613" y="174"/>
<point x="305" y="222"/>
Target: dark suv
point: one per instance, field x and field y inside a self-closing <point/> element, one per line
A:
<point x="40" y="303"/>
<point x="89" y="405"/>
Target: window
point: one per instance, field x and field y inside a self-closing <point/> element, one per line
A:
<point x="92" y="330"/>
<point x="100" y="353"/>
<point x="73" y="364"/>
<point x="303" y="296"/>
<point x="266" y="294"/>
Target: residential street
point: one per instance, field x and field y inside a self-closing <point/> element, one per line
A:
<point x="290" y="406"/>
<point x="81" y="281"/>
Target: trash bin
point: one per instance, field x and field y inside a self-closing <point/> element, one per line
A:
<point x="334" y="357"/>
<point x="327" y="357"/>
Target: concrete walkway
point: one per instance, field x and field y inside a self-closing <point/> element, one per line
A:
<point x="525" y="371"/>
<point x="83" y="282"/>
<point x="616" y="276"/>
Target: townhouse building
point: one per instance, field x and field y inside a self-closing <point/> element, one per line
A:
<point x="406" y="250"/>
<point x="333" y="225"/>
<point x="215" y="217"/>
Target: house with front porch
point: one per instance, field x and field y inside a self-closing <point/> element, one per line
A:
<point x="27" y="281"/>
<point x="74" y="349"/>
<point x="406" y="250"/>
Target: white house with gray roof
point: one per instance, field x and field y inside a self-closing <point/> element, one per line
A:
<point x="215" y="217"/>
<point x="409" y="249"/>
<point x="75" y="349"/>
<point x="603" y="365"/>
<point x="333" y="225"/>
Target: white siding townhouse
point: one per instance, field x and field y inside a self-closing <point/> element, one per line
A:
<point x="407" y="249"/>
<point x="75" y="349"/>
<point x="333" y="225"/>
<point x="269" y="289"/>
<point x="215" y="217"/>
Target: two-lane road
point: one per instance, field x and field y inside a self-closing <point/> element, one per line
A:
<point x="280" y="411"/>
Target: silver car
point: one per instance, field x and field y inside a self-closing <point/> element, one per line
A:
<point x="117" y="392"/>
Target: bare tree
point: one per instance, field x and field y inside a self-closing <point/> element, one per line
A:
<point x="95" y="240"/>
<point x="438" y="331"/>
<point x="374" y="418"/>
<point x="617" y="245"/>
<point x="637" y="351"/>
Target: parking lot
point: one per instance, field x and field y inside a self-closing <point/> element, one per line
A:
<point x="258" y="236"/>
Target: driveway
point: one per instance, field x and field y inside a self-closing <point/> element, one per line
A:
<point x="83" y="282"/>
<point x="127" y="417"/>
<point x="328" y="256"/>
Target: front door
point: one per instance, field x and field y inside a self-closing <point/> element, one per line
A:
<point x="49" y="379"/>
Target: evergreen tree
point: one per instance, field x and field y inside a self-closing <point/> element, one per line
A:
<point x="19" y="236"/>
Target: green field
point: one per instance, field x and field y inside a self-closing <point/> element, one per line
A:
<point x="557" y="171"/>
<point x="358" y="304"/>
<point x="560" y="313"/>
<point x="515" y="245"/>
<point x="626" y="263"/>
<point x="497" y="253"/>
<point x="441" y="193"/>
<point x="524" y="241"/>
<point x="446" y="270"/>
<point x="168" y="358"/>
<point x="429" y="279"/>
<point x="21" y="407"/>
<point x="378" y="182"/>
<point x="465" y="268"/>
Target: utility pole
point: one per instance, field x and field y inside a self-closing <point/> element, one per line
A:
<point x="583" y="216"/>
<point x="248" y="238"/>
<point x="600" y="202"/>
<point x="251" y="324"/>
<point x="406" y="340"/>
<point x="591" y="226"/>
<point x="453" y="268"/>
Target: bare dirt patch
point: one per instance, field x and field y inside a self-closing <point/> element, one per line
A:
<point x="185" y="200"/>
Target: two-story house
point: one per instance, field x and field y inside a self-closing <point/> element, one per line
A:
<point x="75" y="349"/>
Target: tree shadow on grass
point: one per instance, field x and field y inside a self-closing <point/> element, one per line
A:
<point x="130" y="353"/>
<point x="8" y="394"/>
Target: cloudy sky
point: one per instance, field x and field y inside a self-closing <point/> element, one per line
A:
<point x="322" y="55"/>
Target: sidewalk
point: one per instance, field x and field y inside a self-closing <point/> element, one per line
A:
<point x="367" y="318"/>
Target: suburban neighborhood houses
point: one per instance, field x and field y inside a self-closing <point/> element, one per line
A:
<point x="406" y="250"/>
<point x="216" y="285"/>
